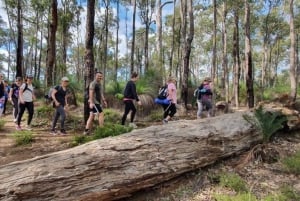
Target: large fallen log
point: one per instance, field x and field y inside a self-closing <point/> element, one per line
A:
<point x="113" y="168"/>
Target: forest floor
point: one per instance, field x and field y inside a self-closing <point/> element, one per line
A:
<point x="262" y="178"/>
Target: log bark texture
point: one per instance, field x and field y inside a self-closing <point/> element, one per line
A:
<point x="113" y="168"/>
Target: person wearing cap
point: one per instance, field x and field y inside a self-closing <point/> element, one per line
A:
<point x="170" y="110"/>
<point x="95" y="98"/>
<point x="2" y="93"/>
<point x="26" y="97"/>
<point x="59" y="97"/>
<point x="204" y="97"/>
<point x="13" y="97"/>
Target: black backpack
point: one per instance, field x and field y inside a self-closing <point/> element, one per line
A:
<point x="163" y="92"/>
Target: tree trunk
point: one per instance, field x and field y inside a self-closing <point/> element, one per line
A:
<point x="51" y="44"/>
<point x="115" y="76"/>
<point x="293" y="75"/>
<point x="236" y="58"/>
<point x="113" y="168"/>
<point x="248" y="57"/>
<point x="133" y="38"/>
<point x="20" y="42"/>
<point x="89" y="55"/>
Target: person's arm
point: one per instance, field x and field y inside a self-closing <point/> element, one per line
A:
<point x="21" y="91"/>
<point x="54" y="91"/>
<point x="10" y="93"/>
<point x="91" y="95"/>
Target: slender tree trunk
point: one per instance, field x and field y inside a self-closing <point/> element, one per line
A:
<point x="225" y="80"/>
<point x="236" y="58"/>
<point x="146" y="46"/>
<point x="105" y="40"/>
<point x="89" y="55"/>
<point x="133" y="37"/>
<point x="20" y="41"/>
<point x="117" y="43"/>
<point x="173" y="37"/>
<point x="293" y="71"/>
<point x="52" y="44"/>
<point x="248" y="57"/>
<point x="214" y="56"/>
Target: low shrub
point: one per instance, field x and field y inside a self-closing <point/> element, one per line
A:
<point x="233" y="181"/>
<point x="23" y="137"/>
<point x="2" y="123"/>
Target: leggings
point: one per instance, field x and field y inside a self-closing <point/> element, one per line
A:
<point x="169" y="110"/>
<point x="22" y="107"/>
<point x="16" y="107"/>
<point x="59" y="112"/>
<point x="128" y="106"/>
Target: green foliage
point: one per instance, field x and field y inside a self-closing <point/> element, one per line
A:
<point x="23" y="137"/>
<point x="287" y="193"/>
<point x="267" y="122"/>
<point x="2" y="123"/>
<point x="233" y="181"/>
<point x="156" y="115"/>
<point x="110" y="130"/>
<point x="80" y="139"/>
<point x="112" y="115"/>
<point x="238" y="197"/>
<point x="292" y="163"/>
<point x="114" y="87"/>
<point x="44" y="111"/>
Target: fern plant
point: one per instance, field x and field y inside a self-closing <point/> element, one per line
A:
<point x="267" y="122"/>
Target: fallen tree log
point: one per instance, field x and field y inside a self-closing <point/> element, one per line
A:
<point x="113" y="168"/>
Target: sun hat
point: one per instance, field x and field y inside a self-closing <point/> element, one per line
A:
<point x="65" y="79"/>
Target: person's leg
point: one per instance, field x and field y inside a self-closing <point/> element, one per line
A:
<point x="166" y="111"/>
<point x="30" y="108"/>
<point x="133" y="111"/>
<point x="100" y="114"/>
<point x="62" y="113"/>
<point x="126" y="112"/>
<point x="208" y="106"/>
<point x="172" y="110"/>
<point x="20" y="114"/>
<point x="4" y="106"/>
<point x="55" y="119"/>
<point x="200" y="109"/>
<point x="16" y="108"/>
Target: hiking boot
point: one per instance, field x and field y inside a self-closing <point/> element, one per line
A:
<point x="18" y="128"/>
<point x="63" y="132"/>
<point x="53" y="132"/>
<point x="86" y="132"/>
<point x="165" y="121"/>
<point x="133" y="125"/>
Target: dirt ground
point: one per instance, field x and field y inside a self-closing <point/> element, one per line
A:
<point x="263" y="178"/>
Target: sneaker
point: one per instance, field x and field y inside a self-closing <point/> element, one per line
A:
<point x="63" y="132"/>
<point x="86" y="132"/>
<point x="15" y="120"/>
<point x="165" y="121"/>
<point x="18" y="128"/>
<point x="53" y="132"/>
<point x="133" y="125"/>
<point x="28" y="127"/>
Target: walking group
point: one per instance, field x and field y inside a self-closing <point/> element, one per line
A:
<point x="21" y="95"/>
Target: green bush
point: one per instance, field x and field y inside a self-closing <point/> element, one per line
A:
<point x="267" y="122"/>
<point x="2" y="123"/>
<point x="111" y="115"/>
<point x="110" y="130"/>
<point x="287" y="193"/>
<point x="292" y="163"/>
<point x="233" y="181"/>
<point x="23" y="137"/>
<point x="80" y="139"/>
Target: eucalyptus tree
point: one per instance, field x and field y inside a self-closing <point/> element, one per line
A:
<point x="133" y="37"/>
<point x="293" y="75"/>
<point x="187" y="21"/>
<point x="89" y="55"/>
<point x="248" y="56"/>
<point x="19" y="68"/>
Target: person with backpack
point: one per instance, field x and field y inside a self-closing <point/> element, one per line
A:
<point x="26" y="97"/>
<point x="6" y="92"/>
<point x="130" y="95"/>
<point x="95" y="97"/>
<point x="13" y="97"/>
<point x="59" y="98"/>
<point x="204" y="97"/>
<point x="170" y="109"/>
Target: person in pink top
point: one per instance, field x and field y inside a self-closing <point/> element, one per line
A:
<point x="170" y="110"/>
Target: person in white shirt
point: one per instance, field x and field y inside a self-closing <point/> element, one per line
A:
<point x="26" y="97"/>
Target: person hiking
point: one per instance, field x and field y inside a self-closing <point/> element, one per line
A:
<point x="6" y="92"/>
<point x="2" y="94"/>
<point x="13" y="97"/>
<point x="204" y="97"/>
<point x="26" y="97"/>
<point x="60" y="103"/>
<point x="95" y="97"/>
<point x="170" y="109"/>
<point x="130" y="95"/>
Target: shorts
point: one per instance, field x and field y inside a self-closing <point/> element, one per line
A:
<point x="96" y="109"/>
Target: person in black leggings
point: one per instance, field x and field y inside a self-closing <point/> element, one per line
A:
<point x="130" y="95"/>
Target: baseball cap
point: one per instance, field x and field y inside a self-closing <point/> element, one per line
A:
<point x="65" y="79"/>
